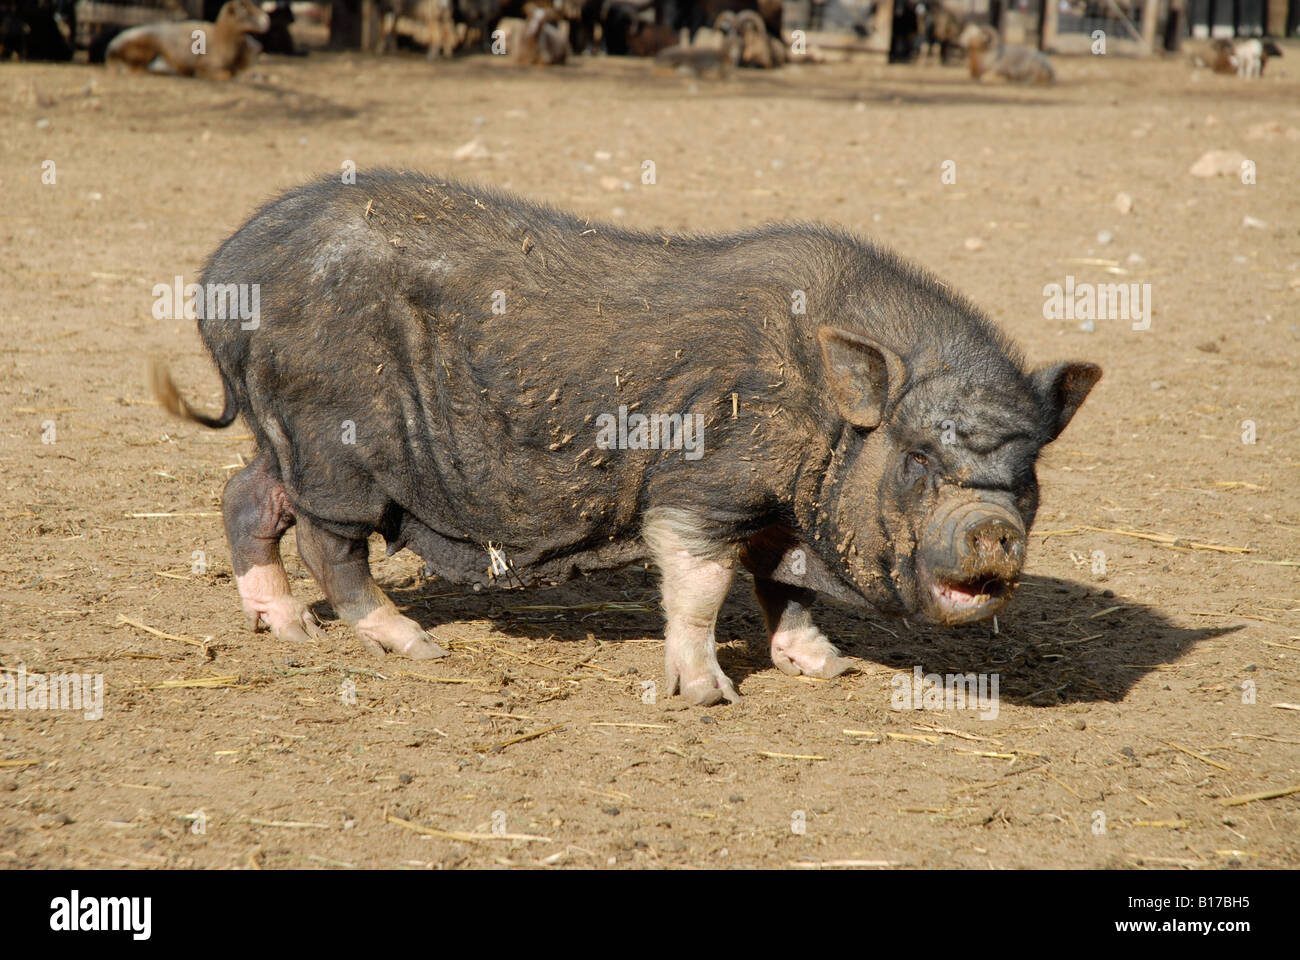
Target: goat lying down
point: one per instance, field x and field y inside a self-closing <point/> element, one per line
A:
<point x="225" y="49"/>
<point x="1015" y="64"/>
<point x="1246" y="58"/>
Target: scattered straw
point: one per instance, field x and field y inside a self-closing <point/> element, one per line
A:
<point x="1265" y="795"/>
<point x="425" y="676"/>
<point x="608" y="606"/>
<point x="288" y="824"/>
<point x="468" y="837"/>
<point x="842" y="864"/>
<point x="202" y="645"/>
<point x="18" y="763"/>
<point x="1164" y="539"/>
<point x="1203" y="759"/>
<point x="953" y="733"/>
<point x="1102" y="613"/>
<point x="316" y="858"/>
<point x="533" y="735"/>
<point x="228" y="681"/>
<point x="1173" y="861"/>
<point x="639" y="726"/>
<point x="791" y="756"/>
<point x="1244" y="616"/>
<point x="609" y="794"/>
<point x="1063" y="785"/>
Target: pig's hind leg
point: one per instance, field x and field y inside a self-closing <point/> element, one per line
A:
<point x="341" y="566"/>
<point x="256" y="513"/>
<point x="798" y="647"/>
<point x="694" y="588"/>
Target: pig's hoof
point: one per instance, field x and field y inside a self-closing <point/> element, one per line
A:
<point x="808" y="653"/>
<point x="704" y="688"/>
<point x="387" y="631"/>
<point x="287" y="619"/>
<point x="305" y="627"/>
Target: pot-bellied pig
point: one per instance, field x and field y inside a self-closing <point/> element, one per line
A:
<point x="521" y="396"/>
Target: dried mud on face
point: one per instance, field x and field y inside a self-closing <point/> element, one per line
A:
<point x="1121" y="693"/>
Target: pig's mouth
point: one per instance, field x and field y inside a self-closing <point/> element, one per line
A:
<point x="953" y="601"/>
<point x="970" y="558"/>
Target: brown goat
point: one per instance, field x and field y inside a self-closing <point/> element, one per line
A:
<point x="1016" y="64"/>
<point x="216" y="51"/>
<point x="758" y="48"/>
<point x="1217" y="55"/>
<point x="544" y="40"/>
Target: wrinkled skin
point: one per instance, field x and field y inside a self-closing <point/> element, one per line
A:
<point x="916" y="493"/>
<point x="868" y="435"/>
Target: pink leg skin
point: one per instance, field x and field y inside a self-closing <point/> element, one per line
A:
<point x="264" y="593"/>
<point x="256" y="514"/>
<point x="693" y="591"/>
<point x="798" y="647"/>
<point x="385" y="630"/>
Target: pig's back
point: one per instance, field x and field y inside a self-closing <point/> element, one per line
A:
<point x="377" y="316"/>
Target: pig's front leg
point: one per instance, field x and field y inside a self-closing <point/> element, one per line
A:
<point x="694" y="588"/>
<point x="798" y="647"/>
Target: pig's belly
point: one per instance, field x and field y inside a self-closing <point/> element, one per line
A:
<point x="492" y="564"/>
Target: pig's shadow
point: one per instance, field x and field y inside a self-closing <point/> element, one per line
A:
<point x="1058" y="641"/>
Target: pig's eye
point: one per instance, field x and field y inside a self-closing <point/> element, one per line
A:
<point x="916" y="467"/>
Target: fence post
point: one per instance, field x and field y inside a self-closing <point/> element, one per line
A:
<point x="882" y="30"/>
<point x="1048" y="18"/>
<point x="369" y="26"/>
<point x="1150" y="16"/>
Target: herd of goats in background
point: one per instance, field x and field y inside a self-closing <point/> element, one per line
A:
<point x="706" y="37"/>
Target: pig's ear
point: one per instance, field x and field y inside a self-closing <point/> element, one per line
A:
<point x="864" y="376"/>
<point x="1061" y="390"/>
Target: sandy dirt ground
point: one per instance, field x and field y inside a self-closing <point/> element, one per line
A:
<point x="1134" y="700"/>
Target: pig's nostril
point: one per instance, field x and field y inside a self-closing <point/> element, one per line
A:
<point x="992" y="546"/>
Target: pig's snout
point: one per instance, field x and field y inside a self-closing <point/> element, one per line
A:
<point x="992" y="544"/>
<point x="970" y="557"/>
